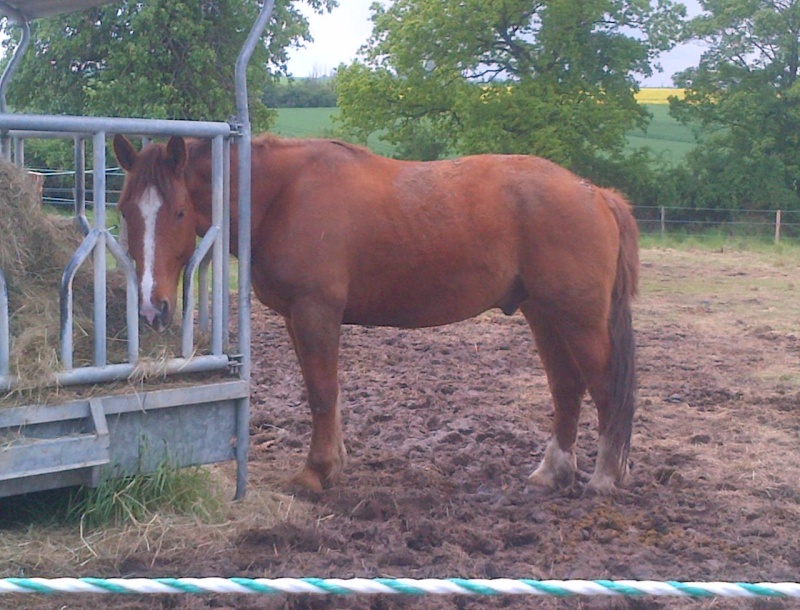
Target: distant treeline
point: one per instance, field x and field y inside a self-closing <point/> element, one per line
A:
<point x="313" y="92"/>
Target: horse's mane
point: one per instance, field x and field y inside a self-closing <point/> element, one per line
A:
<point x="199" y="149"/>
<point x="273" y="141"/>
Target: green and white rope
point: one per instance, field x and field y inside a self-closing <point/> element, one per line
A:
<point x="403" y="586"/>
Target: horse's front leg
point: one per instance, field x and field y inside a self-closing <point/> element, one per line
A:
<point x="314" y="329"/>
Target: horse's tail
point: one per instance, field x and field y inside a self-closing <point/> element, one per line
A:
<point x="623" y="347"/>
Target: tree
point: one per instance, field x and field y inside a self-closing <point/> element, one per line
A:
<point x="157" y="59"/>
<point x="549" y="77"/>
<point x="312" y="92"/>
<point x="746" y="93"/>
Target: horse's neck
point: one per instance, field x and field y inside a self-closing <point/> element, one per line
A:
<point x="198" y="182"/>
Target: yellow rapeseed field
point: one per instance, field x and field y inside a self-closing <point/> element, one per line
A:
<point x="657" y="95"/>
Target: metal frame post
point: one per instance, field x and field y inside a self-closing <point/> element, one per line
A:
<point x="245" y="192"/>
<point x="11" y="68"/>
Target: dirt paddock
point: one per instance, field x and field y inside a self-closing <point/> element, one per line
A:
<point x="444" y="425"/>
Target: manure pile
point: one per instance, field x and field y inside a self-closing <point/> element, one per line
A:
<point x="35" y="248"/>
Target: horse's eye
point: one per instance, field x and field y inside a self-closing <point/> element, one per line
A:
<point x="181" y="214"/>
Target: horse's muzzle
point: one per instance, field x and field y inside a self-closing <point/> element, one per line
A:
<point x="157" y="317"/>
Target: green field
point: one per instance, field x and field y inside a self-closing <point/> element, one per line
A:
<point x="316" y="122"/>
<point x="664" y="135"/>
<point x="304" y="122"/>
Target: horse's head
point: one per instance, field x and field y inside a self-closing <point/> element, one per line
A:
<point x="159" y="220"/>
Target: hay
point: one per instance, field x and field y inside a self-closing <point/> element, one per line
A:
<point x="33" y="253"/>
<point x="68" y="550"/>
<point x="35" y="248"/>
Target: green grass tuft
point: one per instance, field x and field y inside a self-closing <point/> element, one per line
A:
<point x="187" y="491"/>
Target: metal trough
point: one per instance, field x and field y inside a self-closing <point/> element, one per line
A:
<point x="77" y="443"/>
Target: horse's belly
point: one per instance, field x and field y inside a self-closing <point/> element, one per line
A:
<point x="421" y="302"/>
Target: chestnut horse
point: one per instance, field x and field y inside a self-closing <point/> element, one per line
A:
<point x="343" y="236"/>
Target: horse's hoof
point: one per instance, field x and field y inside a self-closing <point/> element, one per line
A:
<point x="541" y="481"/>
<point x="604" y="486"/>
<point x="549" y="479"/>
<point x="307" y="481"/>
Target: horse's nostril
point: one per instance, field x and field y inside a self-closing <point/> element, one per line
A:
<point x="156" y="316"/>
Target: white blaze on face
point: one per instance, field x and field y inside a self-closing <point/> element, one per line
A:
<point x="149" y="205"/>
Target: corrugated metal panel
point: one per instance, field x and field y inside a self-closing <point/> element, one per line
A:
<point x="33" y="9"/>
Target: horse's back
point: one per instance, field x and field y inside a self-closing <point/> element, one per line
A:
<point x="426" y="243"/>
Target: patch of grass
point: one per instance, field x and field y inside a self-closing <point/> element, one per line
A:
<point x="136" y="498"/>
<point x="717" y="241"/>
<point x="708" y="240"/>
<point x="126" y="500"/>
<point x="52" y="547"/>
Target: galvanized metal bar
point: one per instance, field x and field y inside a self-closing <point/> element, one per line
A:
<point x="102" y="433"/>
<point x="84" y="250"/>
<point x="114" y="404"/>
<point x="99" y="209"/>
<point x="220" y="255"/>
<point x="13" y="64"/>
<point x="117" y="372"/>
<point x="244" y="183"/>
<point x="5" y="336"/>
<point x="93" y="125"/>
<point x="98" y="416"/>
<point x="13" y="14"/>
<point x="125" y="263"/>
<point x="202" y="295"/>
<point x="33" y="457"/>
<point x="242" y="445"/>
<point x="11" y="68"/>
<point x="19" y="151"/>
<point x="245" y="193"/>
<point x="27" y="134"/>
<point x="80" y="184"/>
<point x="226" y="242"/>
<point x="187" y="329"/>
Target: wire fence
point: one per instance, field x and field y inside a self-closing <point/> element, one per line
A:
<point x="58" y="187"/>
<point x="776" y="225"/>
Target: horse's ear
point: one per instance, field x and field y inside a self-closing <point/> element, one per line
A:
<point x="125" y="152"/>
<point x="176" y="152"/>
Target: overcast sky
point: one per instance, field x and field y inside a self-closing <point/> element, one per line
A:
<point x="339" y="34"/>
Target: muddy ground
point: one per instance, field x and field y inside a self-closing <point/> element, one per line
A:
<point x="443" y="427"/>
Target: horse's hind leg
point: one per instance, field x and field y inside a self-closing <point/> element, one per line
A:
<point x="564" y="378"/>
<point x="314" y="329"/>
<point x="580" y="349"/>
<point x="592" y="350"/>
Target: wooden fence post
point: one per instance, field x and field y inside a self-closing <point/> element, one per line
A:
<point x="777" y="226"/>
<point x="663" y="221"/>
